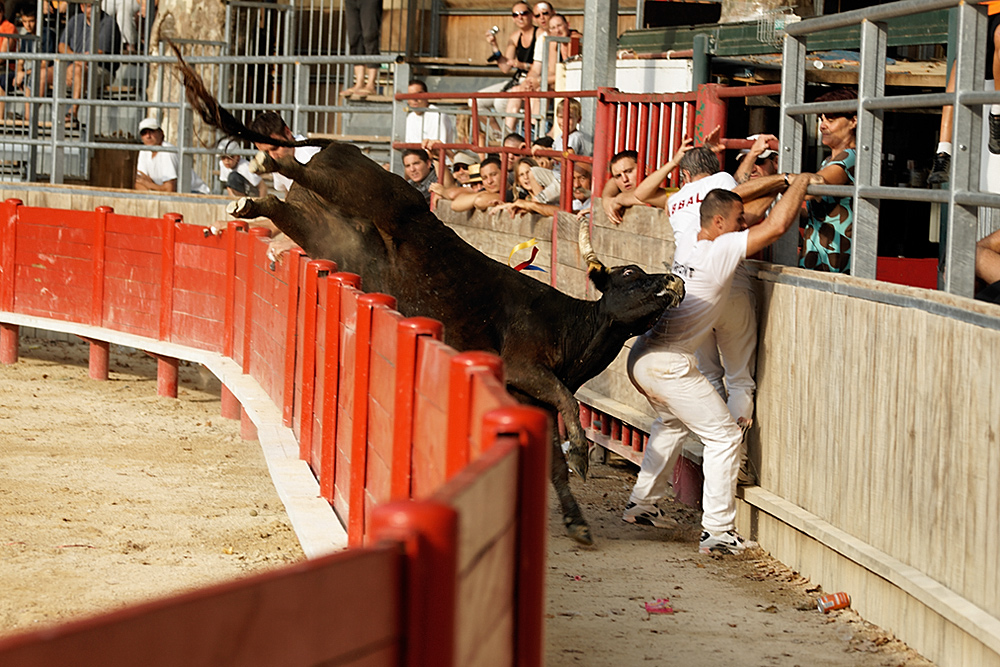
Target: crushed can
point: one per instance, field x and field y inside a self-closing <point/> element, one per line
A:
<point x="833" y="601"/>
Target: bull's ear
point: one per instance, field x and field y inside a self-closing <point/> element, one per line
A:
<point x="599" y="275"/>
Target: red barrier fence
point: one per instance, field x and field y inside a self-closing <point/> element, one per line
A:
<point x="383" y="412"/>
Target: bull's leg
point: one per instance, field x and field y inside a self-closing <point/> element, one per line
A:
<point x="542" y="385"/>
<point x="576" y="525"/>
<point x="265" y="207"/>
<point x="262" y="163"/>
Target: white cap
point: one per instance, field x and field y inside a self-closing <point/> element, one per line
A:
<point x="148" y="124"/>
<point x="766" y="153"/>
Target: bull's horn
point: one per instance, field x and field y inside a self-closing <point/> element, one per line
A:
<point x="586" y="248"/>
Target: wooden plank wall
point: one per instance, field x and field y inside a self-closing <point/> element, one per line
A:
<point x="880" y="418"/>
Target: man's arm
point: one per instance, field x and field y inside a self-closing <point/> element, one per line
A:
<point x="760" y="144"/>
<point x="144" y="182"/>
<point x="988" y="258"/>
<point x="519" y="206"/>
<point x="784" y="213"/>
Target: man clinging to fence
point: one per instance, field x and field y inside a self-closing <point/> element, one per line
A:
<point x="662" y="366"/>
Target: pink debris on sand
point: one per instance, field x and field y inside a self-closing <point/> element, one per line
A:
<point x="661" y="606"/>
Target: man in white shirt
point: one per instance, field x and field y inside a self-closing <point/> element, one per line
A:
<point x="424" y="121"/>
<point x="156" y="170"/>
<point x="662" y="366"/>
<point x="271" y="124"/>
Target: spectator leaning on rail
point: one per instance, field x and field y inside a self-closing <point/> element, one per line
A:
<point x="419" y="172"/>
<point x="662" y="367"/>
<point x="157" y="170"/>
<point x="492" y="193"/>
<point x="829" y="221"/>
<point x="619" y="192"/>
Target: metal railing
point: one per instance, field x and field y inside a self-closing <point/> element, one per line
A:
<point x="956" y="269"/>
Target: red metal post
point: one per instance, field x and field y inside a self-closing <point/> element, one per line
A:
<point x="633" y="125"/>
<point x="642" y="139"/>
<point x="248" y="300"/>
<point x="230" y="404"/>
<point x="359" y="431"/>
<point x="531" y="427"/>
<point x="292" y="319"/>
<point x="428" y="532"/>
<point x="230" y="313"/>
<point x="8" y="238"/>
<point x="331" y="371"/>
<point x="166" y="375"/>
<point x="616" y="429"/>
<point x="461" y="370"/>
<point x="622" y="137"/>
<point x="711" y="112"/>
<point x="248" y="430"/>
<point x="9" y="334"/>
<point x="97" y="286"/>
<point x="99" y="360"/>
<point x="652" y="156"/>
<point x="603" y="139"/>
<point x="585" y="415"/>
<point x="168" y="234"/>
<point x="408" y="336"/>
<point x="316" y="269"/>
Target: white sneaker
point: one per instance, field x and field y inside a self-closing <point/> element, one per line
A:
<point x="647" y="515"/>
<point x="728" y="542"/>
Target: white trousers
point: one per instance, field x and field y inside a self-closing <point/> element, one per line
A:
<point x="728" y="356"/>
<point x="684" y="400"/>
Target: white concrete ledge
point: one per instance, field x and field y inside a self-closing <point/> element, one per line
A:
<point x="317" y="527"/>
<point x="949" y="605"/>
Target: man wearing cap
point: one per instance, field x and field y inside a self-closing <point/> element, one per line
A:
<point x="235" y="174"/>
<point x="156" y="170"/>
<point x="758" y="160"/>
<point x="460" y="165"/>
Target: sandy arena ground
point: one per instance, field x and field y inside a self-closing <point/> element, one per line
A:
<point x="110" y="495"/>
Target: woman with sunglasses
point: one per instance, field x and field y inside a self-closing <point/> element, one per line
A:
<point x="515" y="59"/>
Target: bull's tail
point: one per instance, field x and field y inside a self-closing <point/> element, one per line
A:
<point x="214" y="114"/>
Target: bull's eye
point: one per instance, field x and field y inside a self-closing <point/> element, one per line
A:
<point x="627" y="272"/>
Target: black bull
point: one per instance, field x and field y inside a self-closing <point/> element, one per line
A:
<point x="346" y="208"/>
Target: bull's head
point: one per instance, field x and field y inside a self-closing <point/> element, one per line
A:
<point x="632" y="297"/>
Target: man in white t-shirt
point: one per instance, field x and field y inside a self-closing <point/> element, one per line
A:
<point x="663" y="368"/>
<point x="728" y="356"/>
<point x="156" y="170"/>
<point x="424" y="121"/>
<point x="271" y="125"/>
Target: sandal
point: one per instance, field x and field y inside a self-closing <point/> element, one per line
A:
<point x="71" y="120"/>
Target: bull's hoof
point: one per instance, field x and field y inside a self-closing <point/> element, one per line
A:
<point x="239" y="208"/>
<point x="677" y="287"/>
<point x="262" y="163"/>
<point x="578" y="461"/>
<point x="580" y="532"/>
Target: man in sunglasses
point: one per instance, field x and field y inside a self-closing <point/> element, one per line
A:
<point x="758" y="160"/>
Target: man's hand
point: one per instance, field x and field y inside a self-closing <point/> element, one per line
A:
<point x="278" y="246"/>
<point x="713" y="140"/>
<point x="614" y="208"/>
